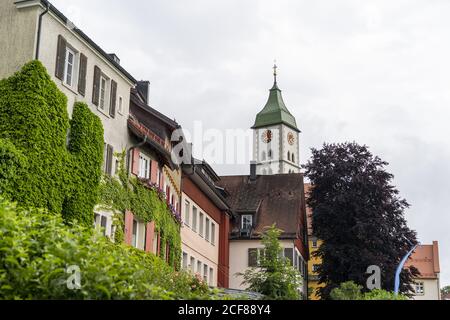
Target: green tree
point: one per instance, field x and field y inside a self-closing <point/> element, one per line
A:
<point x="445" y="290"/>
<point x="359" y="215"/>
<point x="352" y="291"/>
<point x="275" y="278"/>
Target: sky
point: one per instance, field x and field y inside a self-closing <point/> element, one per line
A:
<point x="377" y="73"/>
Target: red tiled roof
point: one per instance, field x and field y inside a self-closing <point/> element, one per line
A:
<point x="426" y="259"/>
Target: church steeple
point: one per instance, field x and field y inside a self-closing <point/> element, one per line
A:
<point x="276" y="136"/>
<point x="275" y="111"/>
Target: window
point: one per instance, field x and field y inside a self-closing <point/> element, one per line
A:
<point x="315" y="267"/>
<point x="207" y="229"/>
<point x="200" y="230"/>
<point x="247" y="222"/>
<point x="192" y="265"/>
<point x="103" y="222"/>
<point x="108" y="158"/>
<point x="288" y="254"/>
<point x="314" y="244"/>
<point x="187" y="209"/>
<point x="144" y="166"/>
<point x="155" y="243"/>
<point x="205" y="273"/>
<point x="420" y="288"/>
<point x="254" y="256"/>
<point x="69" y="67"/>
<point x="185" y="260"/>
<point x="199" y="267"/>
<point x="211" y="276"/>
<point x="194" y="219"/>
<point x="120" y="105"/>
<point x="103" y="84"/>
<point x="289" y="155"/>
<point x="135" y="233"/>
<point x="213" y="233"/>
<point x="293" y="158"/>
<point x="270" y="154"/>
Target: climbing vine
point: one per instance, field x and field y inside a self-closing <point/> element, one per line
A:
<point x="146" y="201"/>
<point x="38" y="168"/>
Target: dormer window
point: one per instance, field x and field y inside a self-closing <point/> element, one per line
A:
<point x="246" y="222"/>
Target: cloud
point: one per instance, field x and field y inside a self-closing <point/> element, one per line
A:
<point x="374" y="72"/>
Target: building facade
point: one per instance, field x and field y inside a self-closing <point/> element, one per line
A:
<point x="206" y="220"/>
<point x="259" y="202"/>
<point x="426" y="259"/>
<point x="83" y="71"/>
<point x="314" y="262"/>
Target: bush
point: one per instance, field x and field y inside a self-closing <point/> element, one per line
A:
<point x="351" y="291"/>
<point x="34" y="126"/>
<point x="37" y="251"/>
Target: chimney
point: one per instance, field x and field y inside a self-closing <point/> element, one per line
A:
<point x="115" y="58"/>
<point x="143" y="87"/>
<point x="253" y="171"/>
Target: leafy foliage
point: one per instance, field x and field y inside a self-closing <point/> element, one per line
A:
<point x="351" y="291"/>
<point x="146" y="202"/>
<point x="37" y="249"/>
<point x="275" y="278"/>
<point x="359" y="216"/>
<point x="36" y="168"/>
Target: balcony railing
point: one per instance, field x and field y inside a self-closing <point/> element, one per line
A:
<point x="146" y="131"/>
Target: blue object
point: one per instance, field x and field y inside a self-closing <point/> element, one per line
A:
<point x="400" y="268"/>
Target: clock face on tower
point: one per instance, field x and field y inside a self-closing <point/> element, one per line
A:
<point x="267" y="136"/>
<point x="291" y="138"/>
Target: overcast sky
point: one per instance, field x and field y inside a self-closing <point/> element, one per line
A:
<point x="377" y="73"/>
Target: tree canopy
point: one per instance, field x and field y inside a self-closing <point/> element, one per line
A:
<point x="359" y="215"/>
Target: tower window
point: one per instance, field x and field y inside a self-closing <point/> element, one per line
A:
<point x="293" y="158"/>
<point x="263" y="156"/>
<point x="270" y="154"/>
<point x="289" y="155"/>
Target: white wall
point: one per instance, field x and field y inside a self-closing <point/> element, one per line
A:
<point x="116" y="132"/>
<point x="239" y="258"/>
<point x="196" y="245"/>
<point x="280" y="147"/>
<point x="431" y="292"/>
<point x="17" y="36"/>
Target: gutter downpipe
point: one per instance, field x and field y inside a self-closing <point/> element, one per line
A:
<point x="400" y="268"/>
<point x="38" y="40"/>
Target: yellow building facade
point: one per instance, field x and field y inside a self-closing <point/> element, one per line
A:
<point x="314" y="262"/>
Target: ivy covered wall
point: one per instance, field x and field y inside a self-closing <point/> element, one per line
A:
<point x="127" y="193"/>
<point x="38" y="167"/>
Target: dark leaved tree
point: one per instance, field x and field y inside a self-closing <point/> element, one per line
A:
<point x="359" y="215"/>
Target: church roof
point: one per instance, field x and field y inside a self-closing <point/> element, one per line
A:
<point x="275" y="112"/>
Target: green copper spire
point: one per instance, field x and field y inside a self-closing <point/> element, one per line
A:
<point x="275" y="112"/>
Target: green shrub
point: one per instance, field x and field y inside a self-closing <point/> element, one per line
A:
<point x="36" y="249"/>
<point x="351" y="291"/>
<point x="34" y="124"/>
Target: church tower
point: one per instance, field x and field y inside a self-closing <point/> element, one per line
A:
<point x="276" y="137"/>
